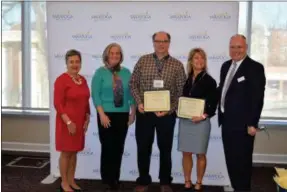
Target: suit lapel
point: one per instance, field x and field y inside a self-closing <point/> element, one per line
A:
<point x="226" y="71"/>
<point x="238" y="73"/>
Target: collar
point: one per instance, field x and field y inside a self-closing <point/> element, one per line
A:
<point x="240" y="61"/>
<point x="199" y="76"/>
<point x="164" y="58"/>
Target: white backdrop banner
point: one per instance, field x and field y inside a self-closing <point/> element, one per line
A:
<point x="90" y="26"/>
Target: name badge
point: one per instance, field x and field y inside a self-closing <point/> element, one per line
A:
<point x="158" y="83"/>
<point x="240" y="79"/>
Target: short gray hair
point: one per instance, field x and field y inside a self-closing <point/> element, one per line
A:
<point x="107" y="51"/>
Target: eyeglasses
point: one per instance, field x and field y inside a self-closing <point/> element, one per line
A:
<point x="161" y="41"/>
<point x="236" y="47"/>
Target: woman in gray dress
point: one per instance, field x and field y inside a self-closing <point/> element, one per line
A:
<point x="194" y="133"/>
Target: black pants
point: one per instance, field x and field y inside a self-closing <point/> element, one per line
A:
<point x="112" y="141"/>
<point x="238" y="149"/>
<point x="146" y="124"/>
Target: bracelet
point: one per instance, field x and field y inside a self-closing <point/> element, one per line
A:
<point x="69" y="122"/>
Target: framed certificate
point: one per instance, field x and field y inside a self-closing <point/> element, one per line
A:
<point x="156" y="101"/>
<point x="190" y="107"/>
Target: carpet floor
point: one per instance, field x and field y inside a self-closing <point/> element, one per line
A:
<point x="19" y="179"/>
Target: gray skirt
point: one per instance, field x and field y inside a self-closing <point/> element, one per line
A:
<point x="193" y="137"/>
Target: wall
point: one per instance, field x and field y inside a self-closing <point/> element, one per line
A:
<point x="26" y="133"/>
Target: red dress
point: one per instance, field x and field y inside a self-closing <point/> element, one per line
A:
<point x="71" y="99"/>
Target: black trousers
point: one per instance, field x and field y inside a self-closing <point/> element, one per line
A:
<point x="238" y="148"/>
<point x="112" y="141"/>
<point x="146" y="125"/>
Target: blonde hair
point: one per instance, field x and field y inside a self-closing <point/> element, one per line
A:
<point x="191" y="54"/>
<point x="106" y="52"/>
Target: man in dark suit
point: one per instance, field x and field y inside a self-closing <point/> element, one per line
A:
<point x="241" y="89"/>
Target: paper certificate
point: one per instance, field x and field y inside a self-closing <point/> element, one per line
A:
<point x="156" y="101"/>
<point x="190" y="107"/>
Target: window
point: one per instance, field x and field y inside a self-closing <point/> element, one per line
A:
<point x="39" y="68"/>
<point x="25" y="72"/>
<point x="11" y="55"/>
<point x="25" y="79"/>
<point x="242" y="24"/>
<point x="268" y="40"/>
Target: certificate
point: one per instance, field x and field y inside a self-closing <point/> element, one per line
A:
<point x="156" y="101"/>
<point x="190" y="107"/>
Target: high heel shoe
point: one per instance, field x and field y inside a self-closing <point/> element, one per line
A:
<point x="62" y="190"/>
<point x="198" y="186"/>
<point x="188" y="188"/>
<point x="77" y="190"/>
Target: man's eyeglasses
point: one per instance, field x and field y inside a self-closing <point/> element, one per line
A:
<point x="159" y="41"/>
<point x="236" y="47"/>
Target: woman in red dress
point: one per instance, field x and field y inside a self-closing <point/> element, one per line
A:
<point x="71" y="101"/>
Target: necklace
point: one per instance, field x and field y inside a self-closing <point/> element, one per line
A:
<point x="77" y="80"/>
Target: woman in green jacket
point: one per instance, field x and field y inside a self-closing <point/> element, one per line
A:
<point x="115" y="111"/>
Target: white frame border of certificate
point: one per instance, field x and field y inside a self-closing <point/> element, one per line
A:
<point x="167" y="92"/>
<point x="180" y="103"/>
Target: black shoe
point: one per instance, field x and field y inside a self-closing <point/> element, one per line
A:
<point x="190" y="188"/>
<point x="115" y="187"/>
<point x="62" y="190"/>
<point x="77" y="190"/>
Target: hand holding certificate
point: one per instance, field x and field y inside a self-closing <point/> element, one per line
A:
<point x="190" y="107"/>
<point x="155" y="101"/>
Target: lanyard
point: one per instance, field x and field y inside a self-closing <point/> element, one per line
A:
<point x="159" y="65"/>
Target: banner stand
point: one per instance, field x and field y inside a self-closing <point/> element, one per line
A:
<point x="208" y="25"/>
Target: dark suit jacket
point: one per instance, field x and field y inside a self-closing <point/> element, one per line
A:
<point x="244" y="99"/>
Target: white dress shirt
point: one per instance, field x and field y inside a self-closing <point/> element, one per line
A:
<point x="227" y="76"/>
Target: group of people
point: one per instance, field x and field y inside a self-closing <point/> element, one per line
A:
<point x="118" y="96"/>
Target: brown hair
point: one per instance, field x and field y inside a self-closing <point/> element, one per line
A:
<point x="72" y="52"/>
<point x="190" y="58"/>
<point x="107" y="51"/>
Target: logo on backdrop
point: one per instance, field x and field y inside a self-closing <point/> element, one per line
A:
<point x="215" y="138"/>
<point x="140" y="17"/>
<point x="134" y="172"/>
<point x="87" y="152"/>
<point x="136" y="57"/>
<point x="181" y="57"/>
<point x="121" y="37"/>
<point x="96" y="171"/>
<point x="155" y="155"/>
<point x="214" y="176"/>
<point x="186" y="16"/>
<point x="59" y="56"/>
<point x="177" y="174"/>
<point x="221" y="57"/>
<point x="82" y="36"/>
<point x="101" y="17"/>
<point x="126" y="154"/>
<point x="63" y="17"/>
<point x="87" y="76"/>
<point x="97" y="56"/>
<point x="202" y="36"/>
<point x="95" y="134"/>
<point x="220" y="16"/>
